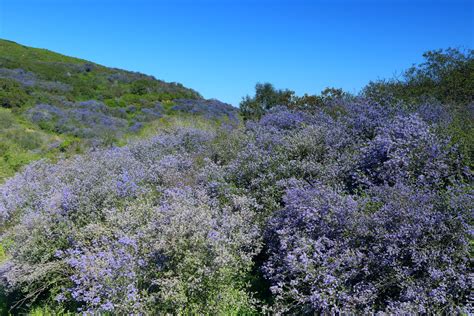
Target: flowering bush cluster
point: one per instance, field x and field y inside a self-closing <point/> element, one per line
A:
<point x="395" y="249"/>
<point x="211" y="109"/>
<point x="91" y="119"/>
<point x="88" y="119"/>
<point x="132" y="229"/>
<point x="366" y="210"/>
<point x="354" y="208"/>
<point x="24" y="77"/>
<point x="95" y="120"/>
<point x="29" y="79"/>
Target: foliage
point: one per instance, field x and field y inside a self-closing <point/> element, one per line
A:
<point x="343" y="182"/>
<point x="88" y="80"/>
<point x="446" y="75"/>
<point x="406" y="150"/>
<point x="266" y="97"/>
<point x="130" y="229"/>
<point x="362" y="212"/>
<point x="12" y="95"/>
<point x="64" y="98"/>
<point x="20" y="143"/>
<point x="210" y="109"/>
<point x="320" y="204"/>
<point x="397" y="249"/>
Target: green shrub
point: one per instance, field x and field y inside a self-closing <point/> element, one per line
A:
<point x="447" y="75"/>
<point x="24" y="139"/>
<point x="12" y="94"/>
<point x="6" y="119"/>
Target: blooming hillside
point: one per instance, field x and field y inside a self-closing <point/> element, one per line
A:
<point x="329" y="204"/>
<point x="65" y="105"/>
<point x="333" y="213"/>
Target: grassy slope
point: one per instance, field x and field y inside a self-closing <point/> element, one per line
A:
<point x="30" y="56"/>
<point x="22" y="141"/>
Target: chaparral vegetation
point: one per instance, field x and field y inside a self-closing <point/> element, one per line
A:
<point x="135" y="196"/>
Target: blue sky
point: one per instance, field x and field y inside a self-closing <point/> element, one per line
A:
<point x="222" y="48"/>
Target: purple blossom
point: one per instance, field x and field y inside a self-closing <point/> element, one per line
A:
<point x="329" y="251"/>
<point x="354" y="208"/>
<point x="212" y="109"/>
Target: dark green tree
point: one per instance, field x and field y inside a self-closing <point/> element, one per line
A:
<point x="266" y="97"/>
<point x="447" y="75"/>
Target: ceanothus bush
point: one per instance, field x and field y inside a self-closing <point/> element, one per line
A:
<point x="29" y="79"/>
<point x="211" y="109"/>
<point x="94" y="227"/>
<point x="406" y="149"/>
<point x="396" y="249"/>
<point x="352" y="208"/>
<point x="289" y="144"/>
<point x="364" y="154"/>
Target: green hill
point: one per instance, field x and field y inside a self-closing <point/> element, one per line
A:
<point x="53" y="105"/>
<point x="83" y="80"/>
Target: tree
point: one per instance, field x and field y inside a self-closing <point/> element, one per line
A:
<point x="266" y="97"/>
<point x="447" y="75"/>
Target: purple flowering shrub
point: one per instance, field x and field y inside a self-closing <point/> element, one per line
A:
<point x="433" y="112"/>
<point x="184" y="253"/>
<point x="88" y="119"/>
<point x="289" y="144"/>
<point x="94" y="120"/>
<point x="406" y="149"/>
<point x="363" y="117"/>
<point x="211" y="109"/>
<point x="25" y="78"/>
<point x="151" y="113"/>
<point x="105" y="276"/>
<point x="368" y="162"/>
<point x="29" y="79"/>
<point x="91" y="119"/>
<point x="396" y="249"/>
<point x="282" y="118"/>
<point x="130" y="230"/>
<point x="355" y="208"/>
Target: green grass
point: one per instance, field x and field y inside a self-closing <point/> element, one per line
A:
<point x="20" y="143"/>
<point x="89" y="80"/>
<point x="15" y="51"/>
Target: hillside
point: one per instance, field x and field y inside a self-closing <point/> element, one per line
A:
<point x="315" y="204"/>
<point x="53" y="105"/>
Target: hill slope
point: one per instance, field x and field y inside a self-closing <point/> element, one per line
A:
<point x="331" y="204"/>
<point x="80" y="78"/>
<point x="53" y="105"/>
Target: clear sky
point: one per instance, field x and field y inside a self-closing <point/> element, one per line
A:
<point x="222" y="48"/>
